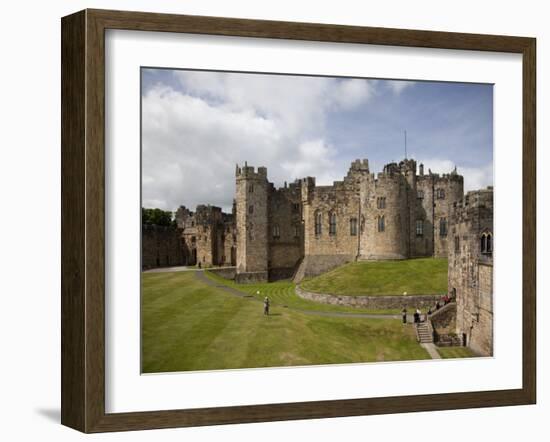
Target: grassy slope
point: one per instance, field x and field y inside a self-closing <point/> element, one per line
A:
<point x="414" y="276"/>
<point x="187" y="325"/>
<point x="455" y="352"/>
<point x="282" y="293"/>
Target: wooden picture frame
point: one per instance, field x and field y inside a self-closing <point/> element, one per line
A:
<point x="83" y="220"/>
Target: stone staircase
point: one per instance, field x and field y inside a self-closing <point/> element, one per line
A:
<point x="424" y="332"/>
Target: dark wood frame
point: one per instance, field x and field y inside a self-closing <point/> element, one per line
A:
<point x="83" y="217"/>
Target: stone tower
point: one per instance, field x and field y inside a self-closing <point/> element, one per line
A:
<point x="252" y="223"/>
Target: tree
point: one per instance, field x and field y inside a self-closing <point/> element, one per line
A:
<point x="157" y="217"/>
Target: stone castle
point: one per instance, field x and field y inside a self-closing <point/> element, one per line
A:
<point x="302" y="229"/>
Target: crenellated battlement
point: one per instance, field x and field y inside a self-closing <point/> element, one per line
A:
<point x="250" y="172"/>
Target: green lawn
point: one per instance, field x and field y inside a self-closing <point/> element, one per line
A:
<point x="188" y="325"/>
<point x="422" y="276"/>
<point x="455" y="352"/>
<point x="281" y="293"/>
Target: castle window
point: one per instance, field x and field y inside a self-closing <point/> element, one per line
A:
<point x="486" y="245"/>
<point x="381" y="202"/>
<point x="251" y="188"/>
<point x="332" y="224"/>
<point x="440" y="194"/>
<point x="318" y="223"/>
<point x="443" y="227"/>
<point x="276" y="231"/>
<point x="381" y="224"/>
<point x="250" y="233"/>
<point x="296" y="207"/>
<point x="353" y="226"/>
<point x="296" y="231"/>
<point x="457" y="244"/>
<point x="420" y="194"/>
<point x="251" y="209"/>
<point x="419" y="227"/>
<point x="193" y="239"/>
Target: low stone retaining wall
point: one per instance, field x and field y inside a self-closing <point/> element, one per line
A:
<point x="251" y="277"/>
<point x="224" y="272"/>
<point x="383" y="302"/>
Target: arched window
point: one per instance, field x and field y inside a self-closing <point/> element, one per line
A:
<point x="381" y="224"/>
<point x="332" y="224"/>
<point x="483" y="243"/>
<point x="486" y="243"/>
<point x="353" y="226"/>
<point x="276" y="231"/>
<point x="318" y="223"/>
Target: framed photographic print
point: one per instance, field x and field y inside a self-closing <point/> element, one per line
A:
<point x="270" y="220"/>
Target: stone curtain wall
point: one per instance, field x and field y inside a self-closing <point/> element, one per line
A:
<point x="161" y="246"/>
<point x="372" y="302"/>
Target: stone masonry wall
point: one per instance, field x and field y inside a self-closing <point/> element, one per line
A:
<point x="161" y="247"/>
<point x="371" y="302"/>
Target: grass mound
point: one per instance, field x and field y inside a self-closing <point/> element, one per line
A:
<point x="423" y="276"/>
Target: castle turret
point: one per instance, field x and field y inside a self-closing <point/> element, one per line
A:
<point x="252" y="190"/>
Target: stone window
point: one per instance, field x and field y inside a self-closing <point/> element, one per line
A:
<point x="381" y="202"/>
<point x="251" y="188"/>
<point x="353" y="226"/>
<point x="443" y="227"/>
<point x="332" y="224"/>
<point x="276" y="231"/>
<point x="296" y="207"/>
<point x="419" y="227"/>
<point x="318" y="223"/>
<point x="193" y="239"/>
<point x="440" y="194"/>
<point x="420" y="194"/>
<point x="457" y="244"/>
<point x="486" y="245"/>
<point x="381" y="224"/>
<point x="251" y="209"/>
<point x="250" y="231"/>
<point x="296" y="231"/>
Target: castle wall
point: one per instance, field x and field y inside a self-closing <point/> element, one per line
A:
<point x="471" y="271"/>
<point x="285" y="230"/>
<point x="160" y="246"/>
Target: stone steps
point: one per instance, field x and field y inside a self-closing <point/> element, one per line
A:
<point x="424" y="333"/>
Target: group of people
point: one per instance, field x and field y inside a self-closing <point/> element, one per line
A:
<point x="417" y="316"/>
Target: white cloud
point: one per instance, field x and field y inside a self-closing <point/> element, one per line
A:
<point x="192" y="139"/>
<point x="398" y="86"/>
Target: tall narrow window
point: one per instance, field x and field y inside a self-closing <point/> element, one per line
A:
<point x="353" y="226"/>
<point x="440" y="194"/>
<point x="457" y="244"/>
<point x="381" y="202"/>
<point x="420" y="194"/>
<point x="419" y="227"/>
<point x="276" y="231"/>
<point x="251" y="188"/>
<point x="332" y="224"/>
<point x="443" y="227"/>
<point x="296" y="231"/>
<point x="489" y="243"/>
<point x="318" y="223"/>
<point x="381" y="224"/>
<point x="251" y="209"/>
<point x="483" y="243"/>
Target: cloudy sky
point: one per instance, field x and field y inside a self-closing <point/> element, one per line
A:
<point x="197" y="125"/>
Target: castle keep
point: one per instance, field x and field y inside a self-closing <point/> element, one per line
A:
<point x="303" y="229"/>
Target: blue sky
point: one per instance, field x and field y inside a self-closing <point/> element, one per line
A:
<point x="197" y="125"/>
